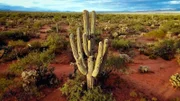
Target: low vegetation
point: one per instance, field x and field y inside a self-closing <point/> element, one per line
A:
<point x="25" y="40"/>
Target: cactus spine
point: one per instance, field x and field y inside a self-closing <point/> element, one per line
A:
<point x="85" y="45"/>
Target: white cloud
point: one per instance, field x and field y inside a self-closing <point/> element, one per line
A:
<point x="61" y="5"/>
<point x="174" y="2"/>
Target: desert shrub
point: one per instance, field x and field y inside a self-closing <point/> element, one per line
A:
<point x="73" y="89"/>
<point x="14" y="35"/>
<point x="97" y="94"/>
<point x="15" y="49"/>
<point x="118" y="62"/>
<point x="4" y="85"/>
<point x="56" y="43"/>
<point x="156" y="33"/>
<point x="41" y="76"/>
<point x="18" y="43"/>
<point x="76" y="90"/>
<point x="35" y="45"/>
<point x="11" y="53"/>
<point x="121" y="44"/>
<point x="37" y="24"/>
<point x="171" y="26"/>
<point x="144" y="69"/>
<point x="46" y="77"/>
<point x="175" y="80"/>
<point x="36" y="59"/>
<point x="177" y="44"/>
<point x="165" y="49"/>
<point x="3" y="21"/>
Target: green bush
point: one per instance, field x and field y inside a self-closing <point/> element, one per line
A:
<point x="14" y="35"/>
<point x="118" y="62"/>
<point x="4" y="85"/>
<point x="18" y="43"/>
<point x="156" y="34"/>
<point x="56" y="43"/>
<point x="121" y="44"/>
<point x="36" y="59"/>
<point x="96" y="94"/>
<point x="165" y="49"/>
<point x="177" y="44"/>
<point x="75" y="90"/>
<point x="171" y="26"/>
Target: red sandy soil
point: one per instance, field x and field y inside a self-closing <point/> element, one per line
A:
<point x="4" y="67"/>
<point x="62" y="71"/>
<point x="45" y="29"/>
<point x="156" y="83"/>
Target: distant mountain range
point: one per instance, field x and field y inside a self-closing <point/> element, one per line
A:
<point x="4" y="7"/>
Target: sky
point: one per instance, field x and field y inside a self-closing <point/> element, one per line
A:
<point x="97" y="5"/>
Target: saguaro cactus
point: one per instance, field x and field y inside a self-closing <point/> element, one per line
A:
<point x="85" y="46"/>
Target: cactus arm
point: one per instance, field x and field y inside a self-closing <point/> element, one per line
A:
<point x="73" y="46"/>
<point x="79" y="47"/>
<point x="79" y="43"/>
<point x="105" y="51"/>
<point x="81" y="67"/>
<point x="105" y="47"/>
<point x="85" y="44"/>
<point x="93" y="20"/>
<point x="98" y="60"/>
<point x="86" y="21"/>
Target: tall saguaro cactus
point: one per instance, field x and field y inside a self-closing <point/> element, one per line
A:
<point x="85" y="45"/>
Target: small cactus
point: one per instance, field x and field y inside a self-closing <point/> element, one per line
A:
<point x="143" y="69"/>
<point x="175" y="80"/>
<point x="29" y="79"/>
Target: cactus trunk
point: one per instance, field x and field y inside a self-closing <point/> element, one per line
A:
<point x="85" y="45"/>
<point x="90" y="81"/>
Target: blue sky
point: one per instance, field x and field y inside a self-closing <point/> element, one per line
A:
<point x="97" y="5"/>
